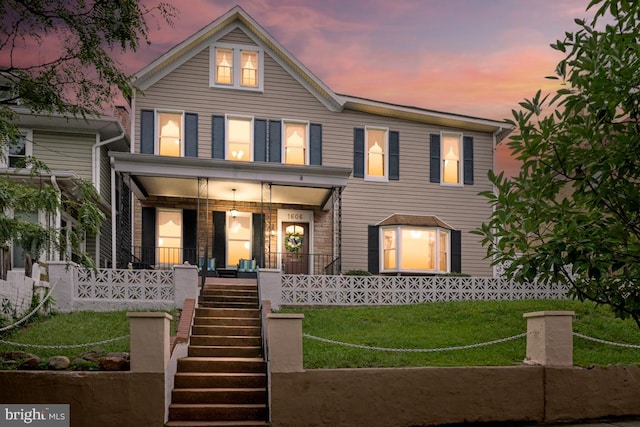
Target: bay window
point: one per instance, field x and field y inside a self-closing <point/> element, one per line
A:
<point x="415" y="249"/>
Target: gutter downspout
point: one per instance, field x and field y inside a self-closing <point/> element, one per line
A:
<point x="95" y="153"/>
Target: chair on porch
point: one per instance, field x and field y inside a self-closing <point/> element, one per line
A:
<point x="247" y="268"/>
<point x="211" y="266"/>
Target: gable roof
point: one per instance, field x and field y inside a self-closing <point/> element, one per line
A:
<point x="237" y="17"/>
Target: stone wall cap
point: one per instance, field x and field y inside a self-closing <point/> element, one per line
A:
<point x="549" y="313"/>
<point x="285" y="316"/>
<point x="149" y="314"/>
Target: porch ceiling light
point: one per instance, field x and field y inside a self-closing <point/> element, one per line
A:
<point x="233" y="212"/>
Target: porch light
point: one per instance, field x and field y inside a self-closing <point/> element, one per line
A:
<point x="233" y="212"/>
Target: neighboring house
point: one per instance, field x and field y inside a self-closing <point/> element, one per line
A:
<point x="240" y="152"/>
<point x="71" y="148"/>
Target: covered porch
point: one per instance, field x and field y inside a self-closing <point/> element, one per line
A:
<point x="229" y="217"/>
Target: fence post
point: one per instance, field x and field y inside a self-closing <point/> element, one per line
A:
<point x="550" y="338"/>
<point x="186" y="283"/>
<point x="149" y="341"/>
<point x="270" y="281"/>
<point x="62" y="280"/>
<point x="284" y="335"/>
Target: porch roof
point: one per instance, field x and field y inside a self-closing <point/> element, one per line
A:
<point x="166" y="176"/>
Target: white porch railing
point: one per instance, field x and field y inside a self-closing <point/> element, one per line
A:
<point x="391" y="290"/>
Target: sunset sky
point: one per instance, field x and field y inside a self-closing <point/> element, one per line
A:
<point x="472" y="57"/>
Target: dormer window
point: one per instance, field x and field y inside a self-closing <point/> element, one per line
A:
<point x="236" y="67"/>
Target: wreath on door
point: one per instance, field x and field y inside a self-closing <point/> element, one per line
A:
<point x="293" y="242"/>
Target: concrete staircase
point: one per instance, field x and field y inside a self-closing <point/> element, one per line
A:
<point x="222" y="381"/>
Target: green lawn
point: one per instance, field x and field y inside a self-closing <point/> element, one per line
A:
<point x="450" y="324"/>
<point x="73" y="328"/>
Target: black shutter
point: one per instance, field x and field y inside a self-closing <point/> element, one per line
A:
<point x="434" y="149"/>
<point x="358" y="153"/>
<point x="191" y="135"/>
<point x="467" y="156"/>
<point x="456" y="251"/>
<point x="275" y="141"/>
<point x="259" y="140"/>
<point x="315" y="144"/>
<point x="217" y="137"/>
<point x="189" y="240"/>
<point x="394" y="155"/>
<point x="147" y="131"/>
<point x="148" y="250"/>
<point x="257" y="243"/>
<point x="374" y="249"/>
<point x="219" y="238"/>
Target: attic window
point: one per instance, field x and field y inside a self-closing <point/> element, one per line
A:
<point x="236" y="67"/>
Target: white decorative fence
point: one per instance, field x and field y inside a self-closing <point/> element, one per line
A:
<point x="391" y="290"/>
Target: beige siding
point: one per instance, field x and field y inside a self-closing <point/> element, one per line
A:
<point x="364" y="203"/>
<point x="237" y="36"/>
<point x="65" y="151"/>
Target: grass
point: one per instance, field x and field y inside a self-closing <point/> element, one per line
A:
<point x="450" y="324"/>
<point x="74" y="328"/>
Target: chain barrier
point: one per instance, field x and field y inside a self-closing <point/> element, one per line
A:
<point x="18" y="344"/>
<point x="598" y="340"/>
<point x="35" y="310"/>
<point x="415" y="350"/>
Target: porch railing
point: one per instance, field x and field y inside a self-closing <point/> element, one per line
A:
<point x="302" y="263"/>
<point x="149" y="257"/>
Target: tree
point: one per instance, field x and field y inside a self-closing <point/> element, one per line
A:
<point x="76" y="75"/>
<point x="572" y="215"/>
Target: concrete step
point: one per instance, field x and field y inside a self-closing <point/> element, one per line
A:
<point x="221" y="364"/>
<point x="228" y="312"/>
<point x="218" y="412"/>
<point x="225" y="351"/>
<point x="223" y="330"/>
<point x="242" y="341"/>
<point x="229" y="298"/>
<point x="227" y="321"/>
<point x="221" y="304"/>
<point x="219" y="395"/>
<point x="220" y="380"/>
<point x="240" y="290"/>
<point x="217" y="424"/>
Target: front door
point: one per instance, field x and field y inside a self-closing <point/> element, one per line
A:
<point x="295" y="251"/>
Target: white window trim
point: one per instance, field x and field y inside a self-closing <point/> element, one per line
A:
<point x="283" y="146"/>
<point x="28" y="137"/>
<point x="226" y="135"/>
<point x="398" y="250"/>
<point x="156" y="130"/>
<point x="368" y="177"/>
<point x="236" y="50"/>
<point x="460" y="182"/>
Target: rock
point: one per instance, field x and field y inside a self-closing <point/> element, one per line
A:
<point x="58" y="362"/>
<point x="122" y="354"/>
<point x="114" y="363"/>
<point x="79" y="364"/>
<point x="93" y="355"/>
<point x="15" y="355"/>
<point x="32" y="362"/>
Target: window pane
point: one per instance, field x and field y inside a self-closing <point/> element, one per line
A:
<point x="295" y="143"/>
<point x="389" y="249"/>
<point x="238" y="238"/>
<point x="451" y="158"/>
<point x="376" y="143"/>
<point x="239" y="139"/>
<point x="170" y="132"/>
<point x="17" y="151"/>
<point x="224" y="66"/>
<point x="249" y="63"/>
<point x="169" y="236"/>
<point x="444" y="251"/>
<point x="418" y="248"/>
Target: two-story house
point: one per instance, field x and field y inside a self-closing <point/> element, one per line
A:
<point x="240" y="152"/>
<point x="72" y="148"/>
